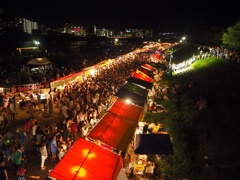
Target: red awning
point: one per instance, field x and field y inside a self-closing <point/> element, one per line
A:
<point x="114" y="131"/>
<point x="142" y="77"/>
<point x="129" y="112"/>
<point x="86" y="160"/>
<point x="149" y="67"/>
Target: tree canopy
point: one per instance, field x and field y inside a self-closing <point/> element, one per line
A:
<point x="231" y="38"/>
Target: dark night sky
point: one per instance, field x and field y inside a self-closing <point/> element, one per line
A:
<point x="160" y="16"/>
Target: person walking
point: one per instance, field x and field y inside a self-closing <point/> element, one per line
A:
<point x="44" y="155"/>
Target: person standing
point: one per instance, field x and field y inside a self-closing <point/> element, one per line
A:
<point x="27" y="129"/>
<point x="44" y="155"/>
<point x="18" y="158"/>
<point x="80" y="121"/>
<point x="53" y="148"/>
<point x="34" y="132"/>
<point x="84" y="130"/>
<point x="68" y="125"/>
<point x="74" y="130"/>
<point x="61" y="153"/>
<point x="3" y="171"/>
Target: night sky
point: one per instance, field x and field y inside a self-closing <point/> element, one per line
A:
<point x="161" y="16"/>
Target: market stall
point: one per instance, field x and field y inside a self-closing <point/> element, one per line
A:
<point x="38" y="65"/>
<point x="127" y="111"/>
<point x="153" y="144"/>
<point x="86" y="160"/>
<point x="113" y="131"/>
<point x="134" y="93"/>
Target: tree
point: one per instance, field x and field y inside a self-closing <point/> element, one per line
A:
<point x="211" y="36"/>
<point x="231" y="38"/>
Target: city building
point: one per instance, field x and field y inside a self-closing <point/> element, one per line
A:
<point x="80" y="29"/>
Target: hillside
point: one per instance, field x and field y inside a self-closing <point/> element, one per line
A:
<point x="212" y="132"/>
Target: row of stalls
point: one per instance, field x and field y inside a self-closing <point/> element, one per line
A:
<point x="40" y="91"/>
<point x="100" y="155"/>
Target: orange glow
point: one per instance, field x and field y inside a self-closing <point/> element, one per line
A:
<point x="86" y="154"/>
<point x="141" y="73"/>
<point x="82" y="173"/>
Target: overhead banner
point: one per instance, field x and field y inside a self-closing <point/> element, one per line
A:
<point x="29" y="87"/>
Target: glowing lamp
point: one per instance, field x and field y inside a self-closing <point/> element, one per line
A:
<point x="128" y="101"/>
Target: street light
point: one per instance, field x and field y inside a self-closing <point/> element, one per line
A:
<point x="116" y="41"/>
<point x="182" y="39"/>
<point x="37" y="44"/>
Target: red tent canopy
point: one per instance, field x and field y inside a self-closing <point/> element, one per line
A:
<point x="142" y="77"/>
<point x="129" y="112"/>
<point x="87" y="160"/>
<point x="114" y="131"/>
<point x="145" y="71"/>
<point x="149" y="67"/>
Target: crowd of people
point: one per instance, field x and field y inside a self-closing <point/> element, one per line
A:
<point x="206" y="52"/>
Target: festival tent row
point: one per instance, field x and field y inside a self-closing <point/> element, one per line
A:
<point x="150" y="143"/>
<point x="142" y="79"/>
<point x="114" y="131"/>
<point x="79" y="76"/>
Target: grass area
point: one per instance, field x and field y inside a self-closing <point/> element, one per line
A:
<point x="211" y="132"/>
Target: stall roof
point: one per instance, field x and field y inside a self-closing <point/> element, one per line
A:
<point x="140" y="76"/>
<point x="135" y="88"/>
<point x="136" y="94"/>
<point x="146" y="72"/>
<point x="149" y="67"/>
<point x="140" y="82"/>
<point x="39" y="61"/>
<point x="127" y="111"/>
<point x="153" y="144"/>
<point x="114" y="131"/>
<point x="132" y="96"/>
<point x="86" y="160"/>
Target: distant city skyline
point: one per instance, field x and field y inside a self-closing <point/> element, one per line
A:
<point x="166" y="16"/>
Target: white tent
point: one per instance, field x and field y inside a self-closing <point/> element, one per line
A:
<point x="38" y="65"/>
<point x="38" y="61"/>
